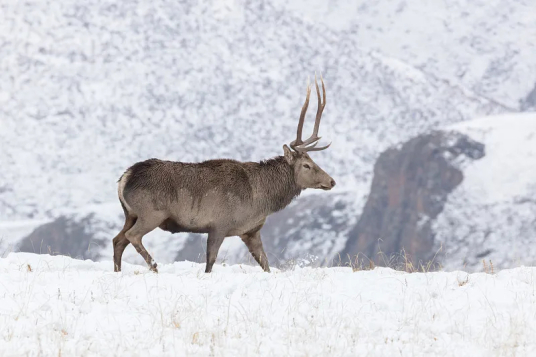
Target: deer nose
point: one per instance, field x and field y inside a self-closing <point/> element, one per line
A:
<point x="332" y="183"/>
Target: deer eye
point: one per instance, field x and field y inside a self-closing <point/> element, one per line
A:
<point x="306" y="166"/>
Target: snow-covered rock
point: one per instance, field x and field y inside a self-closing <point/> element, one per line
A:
<point x="454" y="197"/>
<point x="491" y="215"/>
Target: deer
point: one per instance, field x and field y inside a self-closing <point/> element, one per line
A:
<point x="221" y="198"/>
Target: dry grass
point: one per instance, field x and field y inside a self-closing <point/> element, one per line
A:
<point x="400" y="262"/>
<point x="488" y="268"/>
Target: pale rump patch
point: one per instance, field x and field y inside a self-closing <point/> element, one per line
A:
<point x="121" y="187"/>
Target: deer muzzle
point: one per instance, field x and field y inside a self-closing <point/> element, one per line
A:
<point x="328" y="185"/>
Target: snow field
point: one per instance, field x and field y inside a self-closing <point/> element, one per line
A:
<point x="55" y="305"/>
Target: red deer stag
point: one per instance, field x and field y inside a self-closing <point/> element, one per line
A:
<point x="220" y="197"/>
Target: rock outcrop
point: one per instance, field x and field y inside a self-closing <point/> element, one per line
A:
<point x="66" y="236"/>
<point x="529" y="103"/>
<point x="409" y="190"/>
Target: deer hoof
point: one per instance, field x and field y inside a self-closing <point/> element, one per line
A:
<point x="153" y="268"/>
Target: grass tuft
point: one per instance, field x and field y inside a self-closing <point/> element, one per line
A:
<point x="488" y="268"/>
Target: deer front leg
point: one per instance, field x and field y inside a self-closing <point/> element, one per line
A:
<point x="214" y="242"/>
<point x="254" y="244"/>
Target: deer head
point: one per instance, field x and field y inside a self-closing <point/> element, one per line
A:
<point x="306" y="172"/>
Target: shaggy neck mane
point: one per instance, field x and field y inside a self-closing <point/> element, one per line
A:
<point x="276" y="183"/>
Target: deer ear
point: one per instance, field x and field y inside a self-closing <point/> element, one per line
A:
<point x="289" y="155"/>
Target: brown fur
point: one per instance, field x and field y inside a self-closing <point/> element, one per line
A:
<point x="219" y="197"/>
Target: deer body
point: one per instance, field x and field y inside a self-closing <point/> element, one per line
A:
<point x="231" y="196"/>
<point x="220" y="197"/>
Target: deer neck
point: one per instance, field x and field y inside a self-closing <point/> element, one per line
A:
<point x="276" y="185"/>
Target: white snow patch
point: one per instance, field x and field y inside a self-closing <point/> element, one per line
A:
<point x="509" y="167"/>
<point x="491" y="215"/>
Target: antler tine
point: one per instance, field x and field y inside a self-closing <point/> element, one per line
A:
<point x="306" y="147"/>
<point x="313" y="148"/>
<point x="294" y="144"/>
<point x="321" y="105"/>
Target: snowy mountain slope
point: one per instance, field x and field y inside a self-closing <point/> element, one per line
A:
<point x="492" y="214"/>
<point x="70" y="307"/>
<point x="89" y="89"/>
<point x="485" y="46"/>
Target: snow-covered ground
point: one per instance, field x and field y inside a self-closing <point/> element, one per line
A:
<point x="60" y="306"/>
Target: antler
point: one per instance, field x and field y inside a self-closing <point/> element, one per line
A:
<point x="310" y="144"/>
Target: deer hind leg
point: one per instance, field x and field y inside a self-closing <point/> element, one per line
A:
<point x="214" y="242"/>
<point x="136" y="233"/>
<point x="120" y="242"/>
<point x="254" y="244"/>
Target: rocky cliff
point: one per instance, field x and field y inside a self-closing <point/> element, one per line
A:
<point x="410" y="187"/>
